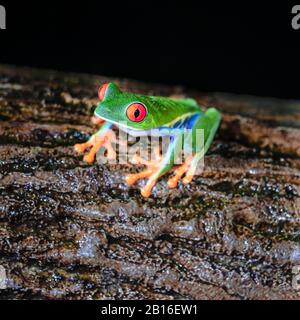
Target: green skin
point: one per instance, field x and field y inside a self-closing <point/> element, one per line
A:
<point x="162" y="115"/>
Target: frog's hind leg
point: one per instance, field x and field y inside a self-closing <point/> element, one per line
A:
<point x="134" y="177"/>
<point x="188" y="168"/>
<point x="154" y="171"/>
<point x="210" y="123"/>
<point x="189" y="174"/>
<point x="164" y="166"/>
<point x="179" y="172"/>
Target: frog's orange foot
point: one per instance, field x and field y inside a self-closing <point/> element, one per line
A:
<point x="146" y="190"/>
<point x="152" y="168"/>
<point x="152" y="173"/>
<point x="81" y="147"/>
<point x="188" y="177"/>
<point x="95" y="143"/>
<point x="179" y="172"/>
<point x="131" y="179"/>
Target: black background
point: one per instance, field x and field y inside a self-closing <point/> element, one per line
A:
<point x="242" y="47"/>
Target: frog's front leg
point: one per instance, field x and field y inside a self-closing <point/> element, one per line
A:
<point x="104" y="137"/>
<point x="209" y="123"/>
<point x="155" y="169"/>
<point x="152" y="166"/>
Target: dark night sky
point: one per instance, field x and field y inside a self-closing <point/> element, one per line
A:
<point x="235" y="46"/>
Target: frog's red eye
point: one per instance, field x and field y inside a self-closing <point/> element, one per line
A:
<point x="136" y="112"/>
<point x="102" y="91"/>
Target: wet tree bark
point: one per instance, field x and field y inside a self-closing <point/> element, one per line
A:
<point x="70" y="230"/>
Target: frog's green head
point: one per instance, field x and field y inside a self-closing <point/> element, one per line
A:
<point x="124" y="109"/>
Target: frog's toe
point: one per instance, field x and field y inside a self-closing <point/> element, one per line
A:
<point x="136" y="159"/>
<point x="111" y="153"/>
<point x="96" y="142"/>
<point x="89" y="158"/>
<point x="152" y="163"/>
<point x="173" y="182"/>
<point x="189" y="176"/>
<point x="188" y="179"/>
<point x="131" y="179"/>
<point x="146" y="191"/>
<point x="179" y="172"/>
<point x="191" y="171"/>
<point x="81" y="147"/>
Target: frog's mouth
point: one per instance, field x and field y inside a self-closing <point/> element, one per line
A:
<point x="161" y="131"/>
<point x="124" y="125"/>
<point x="136" y="132"/>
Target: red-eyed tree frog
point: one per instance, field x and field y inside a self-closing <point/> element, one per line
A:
<point x="139" y="115"/>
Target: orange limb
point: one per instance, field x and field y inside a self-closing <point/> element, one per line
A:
<point x="146" y="190"/>
<point x="90" y="157"/>
<point x="152" y="167"/>
<point x="96" y="142"/>
<point x="111" y="153"/>
<point x="189" y="175"/>
<point x="179" y="172"/>
<point x="134" y="177"/>
<point x="157" y="153"/>
<point x="154" y="171"/>
<point x="136" y="159"/>
<point x="81" y="147"/>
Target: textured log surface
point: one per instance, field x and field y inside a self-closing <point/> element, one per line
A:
<point x="69" y="230"/>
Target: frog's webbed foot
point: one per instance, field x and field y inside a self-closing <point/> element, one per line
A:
<point x="156" y="169"/>
<point x="132" y="178"/>
<point x="95" y="143"/>
<point x="152" y="168"/>
<point x="147" y="189"/>
<point x="179" y="172"/>
<point x="151" y="173"/>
